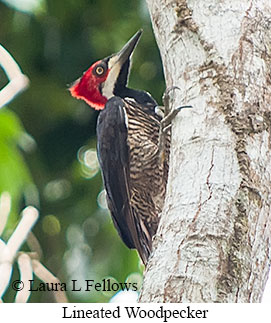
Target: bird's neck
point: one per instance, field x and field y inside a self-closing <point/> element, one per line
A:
<point x="125" y="92"/>
<point x="139" y="96"/>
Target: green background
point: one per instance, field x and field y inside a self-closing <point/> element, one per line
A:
<point x="48" y="141"/>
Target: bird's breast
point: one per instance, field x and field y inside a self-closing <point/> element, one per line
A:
<point x="146" y="172"/>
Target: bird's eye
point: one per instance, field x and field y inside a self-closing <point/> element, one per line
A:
<point x="99" y="70"/>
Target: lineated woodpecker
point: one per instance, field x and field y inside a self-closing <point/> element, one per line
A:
<point x="128" y="126"/>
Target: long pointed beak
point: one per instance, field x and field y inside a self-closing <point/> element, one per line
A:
<point x="128" y="48"/>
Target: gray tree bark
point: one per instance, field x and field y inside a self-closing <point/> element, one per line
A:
<point x="213" y="241"/>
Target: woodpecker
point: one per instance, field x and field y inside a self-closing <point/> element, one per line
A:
<point x="128" y="126"/>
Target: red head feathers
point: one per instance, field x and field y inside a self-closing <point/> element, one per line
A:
<point x="98" y="83"/>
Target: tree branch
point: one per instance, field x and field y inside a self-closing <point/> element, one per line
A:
<point x="18" y="82"/>
<point x="213" y="240"/>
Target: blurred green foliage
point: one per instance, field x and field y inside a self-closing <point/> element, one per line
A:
<point x="14" y="175"/>
<point x="47" y="138"/>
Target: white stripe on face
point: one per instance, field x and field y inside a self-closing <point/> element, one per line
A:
<point x="114" y="69"/>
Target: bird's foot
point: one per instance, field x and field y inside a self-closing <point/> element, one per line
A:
<point x="169" y="115"/>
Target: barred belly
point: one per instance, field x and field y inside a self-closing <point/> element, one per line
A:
<point x="148" y="177"/>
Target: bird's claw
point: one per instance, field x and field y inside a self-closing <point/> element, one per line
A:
<point x="166" y="98"/>
<point x="169" y="115"/>
<point x="166" y="121"/>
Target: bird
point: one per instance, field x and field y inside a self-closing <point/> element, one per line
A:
<point x="134" y="170"/>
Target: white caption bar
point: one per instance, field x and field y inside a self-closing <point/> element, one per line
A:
<point x="135" y="312"/>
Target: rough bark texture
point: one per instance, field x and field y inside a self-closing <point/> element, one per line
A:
<point x="213" y="241"/>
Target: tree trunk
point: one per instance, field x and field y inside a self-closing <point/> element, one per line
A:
<point x="213" y="241"/>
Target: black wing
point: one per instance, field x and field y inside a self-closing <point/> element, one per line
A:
<point x="113" y="154"/>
